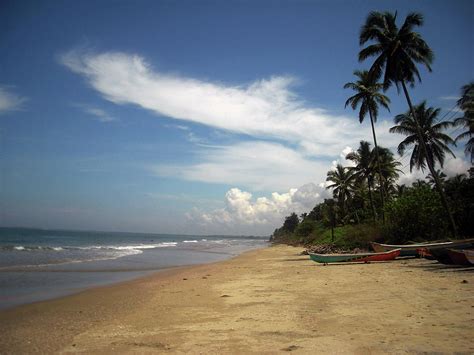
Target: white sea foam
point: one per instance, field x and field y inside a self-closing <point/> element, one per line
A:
<point x="131" y="247"/>
<point x="190" y="241"/>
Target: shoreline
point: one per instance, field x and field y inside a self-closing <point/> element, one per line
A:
<point x="265" y="300"/>
<point x="25" y="284"/>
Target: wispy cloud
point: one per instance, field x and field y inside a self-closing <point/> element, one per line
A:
<point x="10" y="101"/>
<point x="265" y="108"/>
<point x="256" y="165"/>
<point x="293" y="142"/>
<point x="98" y="113"/>
<point x="449" y="98"/>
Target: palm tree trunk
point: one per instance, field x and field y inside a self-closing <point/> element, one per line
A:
<point x="371" y="199"/>
<point x="430" y="163"/>
<point x="378" y="165"/>
<point x="343" y="207"/>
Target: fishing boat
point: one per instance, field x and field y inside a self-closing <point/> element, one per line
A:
<point x="442" y="256"/>
<point x="411" y="249"/>
<point x="461" y="257"/>
<point x="425" y="253"/>
<point x="357" y="258"/>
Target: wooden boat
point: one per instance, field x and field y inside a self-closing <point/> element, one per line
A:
<point x="461" y="257"/>
<point x="359" y="258"/>
<point x="425" y="253"/>
<point x="441" y="255"/>
<point x="411" y="249"/>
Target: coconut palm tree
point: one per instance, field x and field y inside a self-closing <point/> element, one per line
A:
<point x="466" y="103"/>
<point x="342" y="184"/>
<point x="389" y="169"/>
<point x="400" y="190"/>
<point x="363" y="171"/>
<point x="442" y="177"/>
<point x="398" y="51"/>
<point x="436" y="142"/>
<point x="369" y="97"/>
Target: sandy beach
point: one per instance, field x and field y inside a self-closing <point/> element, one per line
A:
<point x="270" y="300"/>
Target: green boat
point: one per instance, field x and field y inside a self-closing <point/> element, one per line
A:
<point x="358" y="258"/>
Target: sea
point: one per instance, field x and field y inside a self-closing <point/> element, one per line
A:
<point x="39" y="264"/>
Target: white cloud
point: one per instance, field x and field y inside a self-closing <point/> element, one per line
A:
<point x="452" y="167"/>
<point x="449" y="98"/>
<point x="255" y="165"/>
<point x="243" y="214"/>
<point x="455" y="166"/>
<point x="10" y="101"/>
<point x="265" y="108"/>
<point x="99" y="114"/>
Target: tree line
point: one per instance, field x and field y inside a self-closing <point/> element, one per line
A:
<point x="367" y="191"/>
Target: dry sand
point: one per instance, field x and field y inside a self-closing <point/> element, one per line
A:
<point x="266" y="301"/>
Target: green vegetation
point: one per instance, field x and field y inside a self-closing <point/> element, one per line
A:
<point x="367" y="204"/>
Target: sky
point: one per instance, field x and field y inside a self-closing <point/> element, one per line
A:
<point x="196" y="117"/>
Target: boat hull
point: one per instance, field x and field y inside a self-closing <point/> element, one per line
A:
<point x="355" y="258"/>
<point x="460" y="257"/>
<point x="411" y="249"/>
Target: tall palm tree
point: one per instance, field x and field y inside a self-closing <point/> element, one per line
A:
<point x="466" y="103"/>
<point x="432" y="138"/>
<point x="342" y="184"/>
<point x="436" y="142"/>
<point x="398" y="51"/>
<point x="369" y="97"/>
<point x="363" y="171"/>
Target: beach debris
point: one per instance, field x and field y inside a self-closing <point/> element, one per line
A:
<point x="331" y="249"/>
<point x="291" y="348"/>
<point x="225" y="296"/>
<point x="184" y="279"/>
<point x="464" y="281"/>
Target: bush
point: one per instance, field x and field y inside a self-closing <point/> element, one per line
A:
<point x="349" y="236"/>
<point x="415" y="216"/>
<point x="360" y="235"/>
<point x="305" y="228"/>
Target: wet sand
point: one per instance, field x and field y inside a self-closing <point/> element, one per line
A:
<point x="265" y="301"/>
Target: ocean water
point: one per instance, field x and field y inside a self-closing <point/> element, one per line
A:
<point x="40" y="264"/>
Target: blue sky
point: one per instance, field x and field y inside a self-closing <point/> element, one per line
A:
<point x="194" y="116"/>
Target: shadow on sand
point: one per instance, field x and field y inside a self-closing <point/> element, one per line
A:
<point x="434" y="266"/>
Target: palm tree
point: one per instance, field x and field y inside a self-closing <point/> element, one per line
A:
<point x="436" y="142"/>
<point x="400" y="190"/>
<point x="389" y="169"/>
<point x="341" y="184"/>
<point x="363" y="171"/>
<point x="432" y="139"/>
<point x="466" y="103"/>
<point x="441" y="176"/>
<point x="369" y="97"/>
<point x="398" y="51"/>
